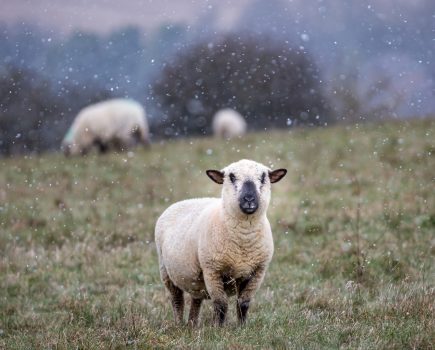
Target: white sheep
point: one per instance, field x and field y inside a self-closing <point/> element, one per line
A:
<point x="116" y="123"/>
<point x="227" y="123"/>
<point x="218" y="247"/>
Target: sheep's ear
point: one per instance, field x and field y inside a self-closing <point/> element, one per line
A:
<point x="277" y="175"/>
<point x="216" y="175"/>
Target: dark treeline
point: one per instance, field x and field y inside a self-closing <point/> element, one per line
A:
<point x="45" y="80"/>
<point x="183" y="78"/>
<point x="34" y="115"/>
<point x="269" y="83"/>
<point x="43" y="84"/>
<point x="122" y="61"/>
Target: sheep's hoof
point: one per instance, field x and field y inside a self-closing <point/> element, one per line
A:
<point x="242" y="310"/>
<point x="192" y="323"/>
<point x="220" y="310"/>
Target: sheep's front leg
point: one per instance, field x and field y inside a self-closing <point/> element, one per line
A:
<point x="246" y="289"/>
<point x="215" y="288"/>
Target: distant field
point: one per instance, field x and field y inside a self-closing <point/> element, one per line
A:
<point x="353" y="225"/>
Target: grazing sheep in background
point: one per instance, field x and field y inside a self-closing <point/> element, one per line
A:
<point x="116" y="123"/>
<point x="218" y="247"/>
<point x="227" y="123"/>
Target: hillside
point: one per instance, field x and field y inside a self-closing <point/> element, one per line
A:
<point x="353" y="225"/>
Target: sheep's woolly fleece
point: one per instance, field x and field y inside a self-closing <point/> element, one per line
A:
<point x="106" y="122"/>
<point x="227" y="123"/>
<point x="208" y="246"/>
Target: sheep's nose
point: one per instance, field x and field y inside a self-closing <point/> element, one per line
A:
<point x="249" y="197"/>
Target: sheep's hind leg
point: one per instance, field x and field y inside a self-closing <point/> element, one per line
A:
<point x="195" y="307"/>
<point x="177" y="297"/>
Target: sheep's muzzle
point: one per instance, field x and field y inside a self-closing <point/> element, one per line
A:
<point x="248" y="199"/>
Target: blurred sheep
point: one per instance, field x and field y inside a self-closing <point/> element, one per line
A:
<point x="117" y="123"/>
<point x="227" y="124"/>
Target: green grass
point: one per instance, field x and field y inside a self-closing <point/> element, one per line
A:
<point x="353" y="224"/>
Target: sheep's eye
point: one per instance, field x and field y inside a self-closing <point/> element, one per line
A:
<point x="232" y="178"/>
<point x="263" y="178"/>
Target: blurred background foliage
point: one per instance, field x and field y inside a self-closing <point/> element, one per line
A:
<point x="279" y="64"/>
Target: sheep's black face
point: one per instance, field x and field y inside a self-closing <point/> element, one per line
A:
<point x="248" y="199"/>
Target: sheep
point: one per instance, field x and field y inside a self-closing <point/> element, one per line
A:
<point x="213" y="248"/>
<point x="116" y="123"/>
<point x="227" y="124"/>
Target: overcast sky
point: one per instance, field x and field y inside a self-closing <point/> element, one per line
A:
<point x="105" y="15"/>
<point x="370" y="35"/>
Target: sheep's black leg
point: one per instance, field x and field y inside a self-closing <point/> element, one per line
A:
<point x="220" y="311"/>
<point x="195" y="307"/>
<point x="177" y="298"/>
<point x="242" y="310"/>
<point x="102" y="147"/>
<point x="136" y="135"/>
<point x="215" y="287"/>
<point x="145" y="142"/>
<point x="85" y="150"/>
<point x="242" y="302"/>
<point x="118" y="145"/>
<point x="246" y="289"/>
<point x="177" y="303"/>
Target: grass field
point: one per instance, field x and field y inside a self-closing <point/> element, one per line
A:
<point x="353" y="225"/>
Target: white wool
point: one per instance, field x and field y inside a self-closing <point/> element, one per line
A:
<point x="115" y="120"/>
<point x="227" y="123"/>
<point x="200" y="240"/>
